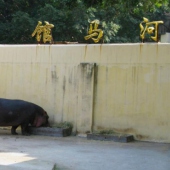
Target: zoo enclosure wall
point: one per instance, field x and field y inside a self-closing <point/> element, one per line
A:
<point x="121" y="87"/>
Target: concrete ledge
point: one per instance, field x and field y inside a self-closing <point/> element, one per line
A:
<point x="115" y="138"/>
<point x="48" y="131"/>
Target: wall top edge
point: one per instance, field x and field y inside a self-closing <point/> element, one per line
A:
<point x="68" y="45"/>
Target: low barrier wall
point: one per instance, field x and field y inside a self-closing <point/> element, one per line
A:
<point x="121" y="87"/>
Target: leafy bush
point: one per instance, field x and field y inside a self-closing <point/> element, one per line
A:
<point x="119" y="19"/>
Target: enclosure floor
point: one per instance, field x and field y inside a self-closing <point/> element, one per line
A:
<point x="77" y="153"/>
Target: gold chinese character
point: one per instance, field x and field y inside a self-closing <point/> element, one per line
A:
<point x="150" y="28"/>
<point x="94" y="33"/>
<point x="44" y="31"/>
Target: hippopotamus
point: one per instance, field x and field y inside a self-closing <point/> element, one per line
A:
<point x="21" y="113"/>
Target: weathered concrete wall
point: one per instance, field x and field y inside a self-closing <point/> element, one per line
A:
<point x="124" y="87"/>
<point x="132" y="91"/>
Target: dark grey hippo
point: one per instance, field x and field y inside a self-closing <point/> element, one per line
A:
<point x="21" y="113"/>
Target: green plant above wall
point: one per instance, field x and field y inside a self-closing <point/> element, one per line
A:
<point x="119" y="20"/>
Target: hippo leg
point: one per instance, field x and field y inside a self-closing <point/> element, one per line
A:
<point x="24" y="129"/>
<point x="13" y="130"/>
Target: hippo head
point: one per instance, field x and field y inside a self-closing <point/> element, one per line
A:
<point x="41" y="119"/>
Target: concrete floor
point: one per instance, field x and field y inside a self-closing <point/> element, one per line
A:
<point x="75" y="153"/>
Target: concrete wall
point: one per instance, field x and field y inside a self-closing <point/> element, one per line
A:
<point x="123" y="87"/>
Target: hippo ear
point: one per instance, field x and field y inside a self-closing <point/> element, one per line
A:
<point x="38" y="121"/>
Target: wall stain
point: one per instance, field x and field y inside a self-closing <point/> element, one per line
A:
<point x="37" y="50"/>
<point x="64" y="89"/>
<point x="141" y="47"/>
<point x="85" y="51"/>
<point x="100" y="50"/>
<point x="54" y="74"/>
<point x="157" y="49"/>
<point x="46" y="77"/>
<point x="64" y="84"/>
<point x="87" y="68"/>
<point x="49" y="50"/>
<point x="95" y="89"/>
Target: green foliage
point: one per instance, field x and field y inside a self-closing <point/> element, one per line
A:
<point x="106" y="132"/>
<point x="64" y="125"/>
<point x="119" y="19"/>
<point x="107" y="21"/>
<point x="56" y="17"/>
<point x="20" y="27"/>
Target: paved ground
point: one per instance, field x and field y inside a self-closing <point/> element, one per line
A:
<point x="75" y="153"/>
